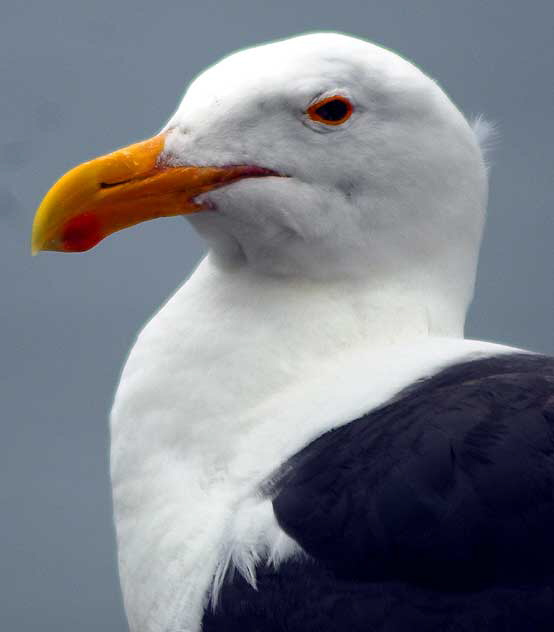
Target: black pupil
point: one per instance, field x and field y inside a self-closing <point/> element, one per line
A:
<point x="334" y="110"/>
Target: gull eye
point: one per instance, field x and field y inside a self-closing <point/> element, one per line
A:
<point x="333" y="110"/>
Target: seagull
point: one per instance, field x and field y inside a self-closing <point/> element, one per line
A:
<point x="302" y="439"/>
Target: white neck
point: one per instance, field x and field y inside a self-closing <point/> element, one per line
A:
<point x="222" y="384"/>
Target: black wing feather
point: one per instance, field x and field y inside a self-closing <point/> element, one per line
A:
<point x="433" y="513"/>
<point x="452" y="482"/>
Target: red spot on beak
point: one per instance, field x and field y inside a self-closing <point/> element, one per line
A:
<point x="81" y="233"/>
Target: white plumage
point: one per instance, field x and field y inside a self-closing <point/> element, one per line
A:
<point x="323" y="294"/>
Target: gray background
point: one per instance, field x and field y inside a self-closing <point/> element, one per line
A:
<point x="81" y="78"/>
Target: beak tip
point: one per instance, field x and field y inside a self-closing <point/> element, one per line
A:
<point x="36" y="243"/>
<point x="35" y="248"/>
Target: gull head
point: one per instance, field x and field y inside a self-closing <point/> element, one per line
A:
<point x="321" y="156"/>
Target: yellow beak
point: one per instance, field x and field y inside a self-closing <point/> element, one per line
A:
<point x="128" y="186"/>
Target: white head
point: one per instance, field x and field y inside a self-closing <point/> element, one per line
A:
<point x="391" y="196"/>
<point x="395" y="193"/>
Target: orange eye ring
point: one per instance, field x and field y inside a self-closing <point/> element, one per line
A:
<point x="333" y="110"/>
